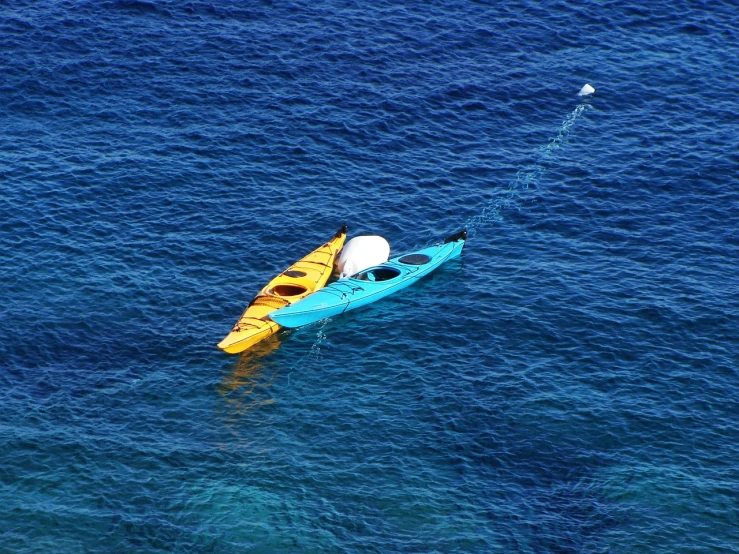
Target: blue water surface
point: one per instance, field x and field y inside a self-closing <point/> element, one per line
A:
<point x="570" y="385"/>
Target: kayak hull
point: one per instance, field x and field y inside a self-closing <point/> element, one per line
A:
<point x="368" y="286"/>
<point x="298" y="281"/>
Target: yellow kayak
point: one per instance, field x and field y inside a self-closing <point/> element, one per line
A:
<point x="295" y="283"/>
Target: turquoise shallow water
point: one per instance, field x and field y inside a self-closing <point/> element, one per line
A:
<point x="569" y="385"/>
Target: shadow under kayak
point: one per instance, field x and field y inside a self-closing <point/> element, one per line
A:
<point x="369" y="285"/>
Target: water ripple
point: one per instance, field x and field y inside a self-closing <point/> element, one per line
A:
<point x="568" y="385"/>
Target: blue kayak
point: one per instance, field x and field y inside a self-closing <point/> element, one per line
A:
<point x="369" y="285"/>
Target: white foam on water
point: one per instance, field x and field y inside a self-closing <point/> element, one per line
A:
<point x="315" y="349"/>
<point x="527" y="176"/>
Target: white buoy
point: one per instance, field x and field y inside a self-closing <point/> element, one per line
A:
<point x="587" y="89"/>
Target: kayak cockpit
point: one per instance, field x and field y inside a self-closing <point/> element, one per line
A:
<point x="288" y="290"/>
<point x="378" y="274"/>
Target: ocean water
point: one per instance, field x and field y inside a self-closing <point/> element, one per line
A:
<point x="570" y="385"/>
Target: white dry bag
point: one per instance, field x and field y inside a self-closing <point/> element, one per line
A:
<point x="362" y="252"/>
